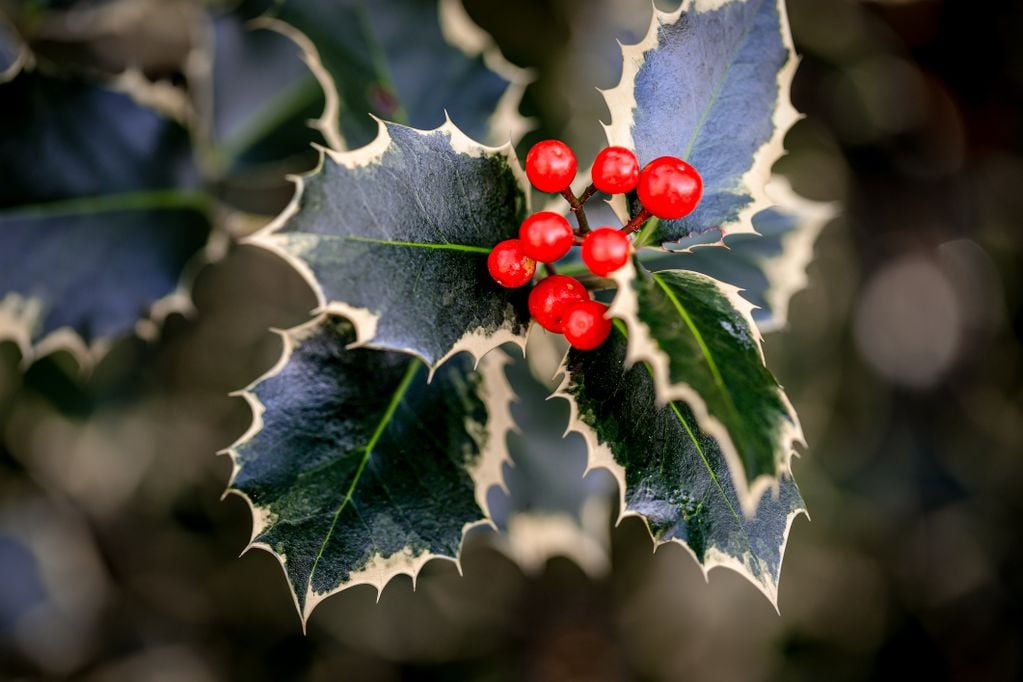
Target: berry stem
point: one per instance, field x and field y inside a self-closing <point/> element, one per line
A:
<point x="549" y="267"/>
<point x="577" y="208"/>
<point x="589" y="192"/>
<point x="637" y="222"/>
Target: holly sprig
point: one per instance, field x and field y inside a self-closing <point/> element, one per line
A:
<point x="407" y="242"/>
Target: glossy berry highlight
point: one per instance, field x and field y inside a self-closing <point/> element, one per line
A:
<point x="550" y="166"/>
<point x="615" y="171"/>
<point x="669" y="187"/>
<point x="585" y="325"/>
<point x="551" y="298"/>
<point x="605" y="250"/>
<point x="509" y="265"/>
<point x="546" y="236"/>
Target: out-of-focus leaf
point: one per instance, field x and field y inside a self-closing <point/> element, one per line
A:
<point x="769" y="267"/>
<point x="703" y="348"/>
<point x="98" y="209"/>
<point x="260" y="96"/>
<point x="710" y="84"/>
<point x="357" y="469"/>
<point x="398" y="61"/>
<point x="55" y="586"/>
<point x="395" y="236"/>
<point x="67" y="139"/>
<point x="97" y="268"/>
<point x="13" y="51"/>
<point x="669" y="472"/>
<point x="551" y="505"/>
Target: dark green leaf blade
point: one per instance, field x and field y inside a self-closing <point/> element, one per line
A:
<point x="357" y="469"/>
<point x="97" y="272"/>
<point x="395" y="236"/>
<point x="669" y="472"/>
<point x="99" y="211"/>
<point x="710" y="84"/>
<point x="76" y="139"/>
<point x="261" y="96"/>
<point x="699" y="338"/>
<point x="396" y="61"/>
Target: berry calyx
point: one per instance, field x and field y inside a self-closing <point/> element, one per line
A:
<point x="509" y="265"/>
<point x="585" y="325"/>
<point x="546" y="236"/>
<point x="549" y="300"/>
<point x="550" y="166"/>
<point x="615" y="170"/>
<point x="669" y="187"/>
<point x="605" y="250"/>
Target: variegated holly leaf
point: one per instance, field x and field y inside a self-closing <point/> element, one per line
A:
<point x="551" y="505"/>
<point x="395" y="236"/>
<point x="710" y="84"/>
<point x="768" y="267"/>
<point x="99" y="211"/>
<point x="258" y="97"/>
<point x="671" y="473"/>
<point x="699" y="338"/>
<point x="408" y="61"/>
<point x="357" y="469"/>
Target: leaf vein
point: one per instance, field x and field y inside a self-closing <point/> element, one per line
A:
<point x="392" y="407"/>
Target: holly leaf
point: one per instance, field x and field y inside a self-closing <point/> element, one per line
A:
<point x="357" y="469"/>
<point x="259" y="97"/>
<point x="395" y="236"/>
<point x="411" y="61"/>
<point x="768" y="267"/>
<point x="710" y="84"/>
<point x="671" y="473"/>
<point x="550" y="504"/>
<point x="98" y="211"/>
<point x="699" y="338"/>
<point x="77" y="139"/>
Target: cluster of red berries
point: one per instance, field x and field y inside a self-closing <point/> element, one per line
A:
<point x="667" y="188"/>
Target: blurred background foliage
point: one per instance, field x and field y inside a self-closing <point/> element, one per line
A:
<point x="118" y="559"/>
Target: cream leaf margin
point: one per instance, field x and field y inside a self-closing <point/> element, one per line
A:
<point x="497" y="397"/>
<point x="621" y="102"/>
<point x="476" y="342"/>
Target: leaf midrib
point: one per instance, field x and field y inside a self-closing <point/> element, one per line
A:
<point x="717" y="88"/>
<point x="445" y="246"/>
<point x="620" y="326"/>
<point x="168" y="199"/>
<point x="269" y="118"/>
<point x="399" y="394"/>
<point x="705" y="349"/>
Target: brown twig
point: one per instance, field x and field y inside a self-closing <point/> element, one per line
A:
<point x="577" y="206"/>
<point x="637" y="222"/>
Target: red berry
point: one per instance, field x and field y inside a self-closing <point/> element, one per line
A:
<point x="586" y="326"/>
<point x="509" y="266"/>
<point x="669" y="187"/>
<point x="550" y="166"/>
<point x="551" y="297"/>
<point x="615" y="170"/>
<point x="605" y="250"/>
<point x="546" y="236"/>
